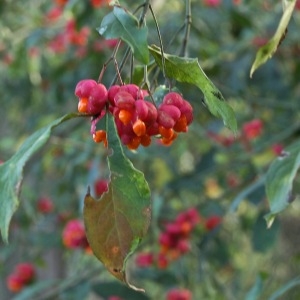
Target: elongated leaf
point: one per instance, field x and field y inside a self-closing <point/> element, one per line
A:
<point x="245" y="193"/>
<point x="264" y="238"/>
<point x="189" y="70"/>
<point x="122" y="24"/>
<point x="279" y="181"/>
<point x="117" y="222"/>
<point x="289" y="285"/>
<point x="267" y="51"/>
<point x="256" y="289"/>
<point x="11" y="172"/>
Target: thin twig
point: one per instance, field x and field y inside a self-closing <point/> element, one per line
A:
<point x="112" y="57"/>
<point x="57" y="289"/>
<point x="144" y="12"/>
<point x="188" y="22"/>
<point x="131" y="67"/>
<point x="118" y="74"/>
<point x="160" y="42"/>
<point x="175" y="35"/>
<point x="121" y="65"/>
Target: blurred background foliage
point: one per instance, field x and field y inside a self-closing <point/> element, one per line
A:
<point x="46" y="47"/>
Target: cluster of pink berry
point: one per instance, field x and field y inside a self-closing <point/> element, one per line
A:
<point x="174" y="241"/>
<point x="137" y="119"/>
<point x="22" y="275"/>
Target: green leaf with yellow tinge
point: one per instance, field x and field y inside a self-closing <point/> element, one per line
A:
<point x="188" y="70"/>
<point x="122" y="24"/>
<point x="267" y="51"/>
<point x="279" y="181"/>
<point x="117" y="222"/>
<point x="11" y="172"/>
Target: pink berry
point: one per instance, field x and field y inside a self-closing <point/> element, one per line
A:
<point x="98" y="93"/>
<point x="187" y="110"/>
<point x="84" y="87"/>
<point x="173" y="98"/>
<point x="94" y="109"/>
<point x="132" y="89"/>
<point x="112" y="91"/>
<point x="173" y="111"/>
<point x="97" y="99"/>
<point x="141" y="109"/>
<point x="153" y="129"/>
<point x="152" y="113"/>
<point x="165" y="120"/>
<point x="124" y="100"/>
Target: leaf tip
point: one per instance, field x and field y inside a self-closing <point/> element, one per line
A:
<point x="133" y="287"/>
<point x="88" y="191"/>
<point x="252" y="71"/>
<point x="270" y="218"/>
<point x="4" y="234"/>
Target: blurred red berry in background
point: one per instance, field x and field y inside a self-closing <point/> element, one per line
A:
<point x="277" y="149"/>
<point x="179" y="294"/>
<point x="253" y="129"/>
<point x="14" y="283"/>
<point x="212" y="222"/>
<point x="74" y="235"/>
<point x="99" y="3"/>
<point x="26" y="272"/>
<point x="144" y="259"/>
<point x="22" y="275"/>
<point x="101" y="186"/>
<point x="212" y="3"/>
<point x="45" y="205"/>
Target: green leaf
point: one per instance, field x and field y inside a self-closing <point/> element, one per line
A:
<point x="263" y="238"/>
<point x="11" y="172"/>
<point x="117" y="222"/>
<point x="256" y="289"/>
<point x="122" y="24"/>
<point x="289" y="285"/>
<point x="279" y="180"/>
<point x="188" y="70"/>
<point x="267" y="51"/>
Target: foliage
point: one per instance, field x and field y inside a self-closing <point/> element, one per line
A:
<point x="210" y="190"/>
